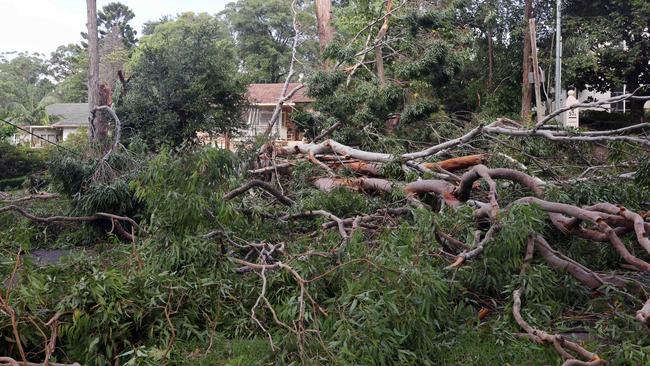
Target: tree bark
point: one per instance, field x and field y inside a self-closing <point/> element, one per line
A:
<point x="97" y="131"/>
<point x="490" y="45"/>
<point x="324" y="20"/>
<point x="525" y="82"/>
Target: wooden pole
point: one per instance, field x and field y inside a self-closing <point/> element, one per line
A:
<point x="536" y="75"/>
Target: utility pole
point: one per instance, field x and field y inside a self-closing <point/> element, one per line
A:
<point x="558" y="56"/>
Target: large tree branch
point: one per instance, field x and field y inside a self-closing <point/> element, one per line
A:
<point x="114" y="219"/>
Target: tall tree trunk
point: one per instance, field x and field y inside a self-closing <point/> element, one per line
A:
<point x="526" y="91"/>
<point x="97" y="126"/>
<point x="379" y="56"/>
<point x="324" y="20"/>
<point x="490" y="44"/>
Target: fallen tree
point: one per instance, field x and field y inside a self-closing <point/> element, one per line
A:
<point x="348" y="215"/>
<point x="600" y="222"/>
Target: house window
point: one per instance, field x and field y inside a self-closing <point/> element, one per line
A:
<point x="265" y="116"/>
<point x="619" y="106"/>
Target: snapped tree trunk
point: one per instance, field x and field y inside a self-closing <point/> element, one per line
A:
<point x="379" y="56"/>
<point x="525" y="82"/>
<point x="324" y="20"/>
<point x="97" y="126"/>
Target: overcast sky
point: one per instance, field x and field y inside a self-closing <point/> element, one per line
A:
<point x="43" y="25"/>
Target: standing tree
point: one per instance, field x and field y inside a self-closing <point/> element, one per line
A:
<point x="617" y="33"/>
<point x="68" y="65"/>
<point x="324" y="20"/>
<point x="117" y="15"/>
<point x="263" y="33"/>
<point x="184" y="80"/>
<point x="24" y="84"/>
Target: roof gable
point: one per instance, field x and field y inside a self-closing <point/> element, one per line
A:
<point x="69" y="114"/>
<point x="270" y="93"/>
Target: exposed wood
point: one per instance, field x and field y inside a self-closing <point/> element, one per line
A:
<point x="118" y="127"/>
<point x="366" y="184"/>
<point x="598" y="103"/>
<point x="557" y="341"/>
<point x="561" y="263"/>
<point x="379" y="55"/>
<point x="360" y="167"/>
<point x="458" y="163"/>
<point x="327" y="132"/>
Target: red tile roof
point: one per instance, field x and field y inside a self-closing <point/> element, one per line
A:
<point x="270" y="93"/>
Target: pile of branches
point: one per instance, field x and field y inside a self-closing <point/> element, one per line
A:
<point x="457" y="184"/>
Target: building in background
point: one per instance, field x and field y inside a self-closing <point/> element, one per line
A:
<point x="262" y="99"/>
<point x="69" y="117"/>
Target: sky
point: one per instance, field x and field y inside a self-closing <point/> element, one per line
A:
<point x="43" y="25"/>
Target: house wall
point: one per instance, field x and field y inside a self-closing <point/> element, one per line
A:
<point x="47" y="133"/>
<point x="69" y="130"/>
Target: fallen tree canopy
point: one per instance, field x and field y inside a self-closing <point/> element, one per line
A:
<point x="319" y="251"/>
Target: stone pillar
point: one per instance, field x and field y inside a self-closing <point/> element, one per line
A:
<point x="572" y="116"/>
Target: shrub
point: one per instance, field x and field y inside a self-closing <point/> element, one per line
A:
<point x="20" y="161"/>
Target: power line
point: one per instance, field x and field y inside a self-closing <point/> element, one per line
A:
<point x="33" y="134"/>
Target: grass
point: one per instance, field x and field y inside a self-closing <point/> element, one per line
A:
<point x="483" y="347"/>
<point x="223" y="351"/>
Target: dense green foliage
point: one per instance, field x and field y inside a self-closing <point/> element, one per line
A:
<point x="387" y="297"/>
<point x="23" y="88"/>
<point x="263" y="33"/>
<point x="618" y="46"/>
<point x="68" y="66"/>
<point x="20" y="161"/>
<point x="180" y="291"/>
<point x="117" y="15"/>
<point x="184" y="81"/>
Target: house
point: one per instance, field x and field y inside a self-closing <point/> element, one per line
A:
<point x="262" y="99"/>
<point x="68" y="118"/>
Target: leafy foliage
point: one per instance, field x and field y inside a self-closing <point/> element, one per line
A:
<point x="20" y="161"/>
<point x="184" y="81"/>
<point x="263" y="34"/>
